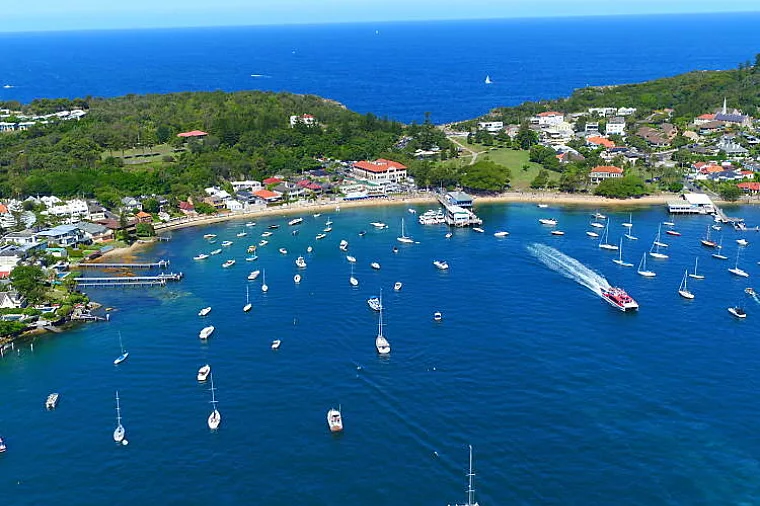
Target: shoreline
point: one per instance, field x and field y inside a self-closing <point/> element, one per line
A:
<point x="508" y="197"/>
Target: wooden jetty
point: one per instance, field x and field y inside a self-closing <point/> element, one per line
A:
<point x="114" y="281"/>
<point x="99" y="265"/>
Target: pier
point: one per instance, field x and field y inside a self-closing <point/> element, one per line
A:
<point x="161" y="264"/>
<point x="458" y="213"/>
<point x="121" y="281"/>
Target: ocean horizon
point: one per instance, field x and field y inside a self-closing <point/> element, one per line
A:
<point x="396" y="69"/>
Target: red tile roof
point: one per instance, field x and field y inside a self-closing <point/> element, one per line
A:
<point x="193" y="133"/>
<point x="708" y="117"/>
<point x="601" y="141"/>
<point x="608" y="169"/>
<point x="548" y="114"/>
<point x="3" y="209"/>
<point x="266" y="194"/>
<point x="272" y="180"/>
<point x="379" y="165"/>
<point x="755" y="187"/>
<point x="187" y="206"/>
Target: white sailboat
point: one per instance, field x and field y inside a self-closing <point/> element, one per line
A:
<point x="352" y="280"/>
<point x="264" y="286"/>
<point x="629" y="223"/>
<point x="297" y="278"/>
<point x="488" y="80"/>
<point x="403" y="238"/>
<point x="248" y="304"/>
<point x="736" y="270"/>
<point x="720" y="256"/>
<point x="603" y="242"/>
<point x="119" y="432"/>
<point x="215" y="418"/>
<point x="124" y="354"/>
<point x="694" y="274"/>
<point x="381" y="343"/>
<point x="654" y="251"/>
<point x="683" y="291"/>
<point x="470" y="490"/>
<point x="643" y="271"/>
<point x="619" y="260"/>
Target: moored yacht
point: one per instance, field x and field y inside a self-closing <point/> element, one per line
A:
<point x="343" y="245"/>
<point x="216" y="251"/>
<point x="228" y="263"/>
<point x="547" y="221"/>
<point x="351" y="259"/>
<point x="276" y="344"/>
<point x="470" y="491"/>
<point x="441" y="264"/>
<point x="683" y="291"/>
<point x="736" y="270"/>
<point x="737" y="311"/>
<point x="501" y="233"/>
<point x="403" y="238"/>
<point x="253" y="275"/>
<point x="226" y="244"/>
<point x="381" y="343"/>
<point x="375" y="303"/>
<point x="707" y="241"/>
<point x="300" y="262"/>
<point x="334" y="420"/>
<point x="642" y="270"/>
<point x="617" y="297"/>
<point x="52" y="400"/>
<point x="375" y="265"/>
<point x="206" y="332"/>
<point x="204" y="311"/>
<point x="201" y="256"/>
<point x="397" y="286"/>
<point x="203" y="373"/>
<point x="2" y="446"/>
<point x="295" y="221"/>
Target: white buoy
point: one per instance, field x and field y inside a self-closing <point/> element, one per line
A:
<point x="124" y="442"/>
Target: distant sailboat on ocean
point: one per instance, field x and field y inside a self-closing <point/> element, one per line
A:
<point x="488" y="80"/>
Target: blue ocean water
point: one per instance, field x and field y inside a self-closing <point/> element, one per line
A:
<point x="400" y="70"/>
<point x="565" y="399"/>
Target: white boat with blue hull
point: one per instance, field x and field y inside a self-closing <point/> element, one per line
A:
<point x="124" y="354"/>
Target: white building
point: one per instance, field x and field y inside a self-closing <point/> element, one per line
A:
<point x="600" y="173"/>
<point x="233" y="205"/>
<point x="74" y="208"/>
<point x="548" y="118"/>
<point x="251" y="186"/>
<point x="304" y="119"/>
<point x="491" y="126"/>
<point x="615" y="126"/>
<point x="603" y="111"/>
<point x="379" y="171"/>
<point x="626" y="111"/>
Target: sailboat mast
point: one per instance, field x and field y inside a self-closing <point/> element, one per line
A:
<point x="470" y="490"/>
<point x="121" y="344"/>
<point x="380" y="318"/>
<point x="118" y="409"/>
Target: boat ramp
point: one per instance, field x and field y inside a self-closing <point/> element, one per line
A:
<point x="458" y="209"/>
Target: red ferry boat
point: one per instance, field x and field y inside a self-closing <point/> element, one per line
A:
<point x="617" y="297"/>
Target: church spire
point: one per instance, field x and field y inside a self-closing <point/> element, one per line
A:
<point x="725" y="111"/>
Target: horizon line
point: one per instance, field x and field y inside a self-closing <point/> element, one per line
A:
<point x="382" y="21"/>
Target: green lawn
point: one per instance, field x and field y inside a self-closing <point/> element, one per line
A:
<point x="511" y="158"/>
<point x="142" y="154"/>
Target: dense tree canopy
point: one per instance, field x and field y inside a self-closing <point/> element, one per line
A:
<point x="486" y="175"/>
<point x="621" y="188"/>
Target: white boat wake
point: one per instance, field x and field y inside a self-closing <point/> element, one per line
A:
<point x="569" y="267"/>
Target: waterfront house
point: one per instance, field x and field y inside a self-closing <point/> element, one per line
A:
<point x="548" y="118"/>
<point x="247" y="185"/>
<point x="143" y="217"/>
<point x="10" y="256"/>
<point x="267" y="197"/>
<point x="62" y="235"/>
<point x="752" y="188"/>
<point x="214" y="201"/>
<point x="602" y="172"/>
<point x="186" y="207"/>
<point x="379" y="171"/>
<point x="22" y="238"/>
<point x="12" y="300"/>
<point x="233" y="205"/>
<point x="596" y="141"/>
<point x="74" y="209"/>
<point x="461" y="199"/>
<point x="272" y="181"/>
<point x="95" y="232"/>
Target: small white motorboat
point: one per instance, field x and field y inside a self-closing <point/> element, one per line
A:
<point x="283" y="251"/>
<point x="320" y="236"/>
<point x="263" y="242"/>
<point x="343" y="245"/>
<point x="596" y="224"/>
<point x="228" y="263"/>
<point x="204" y="311"/>
<point x="547" y="221"/>
<point x="250" y="224"/>
<point x="397" y="286"/>
<point x="742" y="242"/>
<point x="327" y="230"/>
<point x="334" y="420"/>
<point x="737" y="311"/>
<point x="241" y="234"/>
<point x="542" y="206"/>
<point x="201" y="256"/>
<point x="437" y="316"/>
<point x="295" y="221"/>
<point x="412" y="211"/>
<point x="226" y="244"/>
<point x="266" y="234"/>
<point x="276" y="344"/>
<point x="449" y="235"/>
<point x="297" y="278"/>
<point x="592" y="234"/>
<point x="209" y="236"/>
<point x="351" y="259"/>
<point x="441" y="264"/>
<point x="216" y="251"/>
<point x="501" y="233"/>
<point x="52" y="400"/>
<point x="206" y="332"/>
<point x="301" y="262"/>
<point x="375" y="265"/>
<point x="478" y="230"/>
<point x="203" y="373"/>
<point x="668" y="223"/>
<point x="309" y="249"/>
<point x="557" y="232"/>
<point x="253" y="275"/>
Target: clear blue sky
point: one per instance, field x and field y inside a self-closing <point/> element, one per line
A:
<point x="33" y="15"/>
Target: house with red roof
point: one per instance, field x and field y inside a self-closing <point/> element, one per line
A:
<point x="267" y="196"/>
<point x="750" y="187"/>
<point x="380" y="171"/>
<point x="272" y="180"/>
<point x="193" y="134"/>
<point x="186" y="207"/>
<point x="596" y="141"/>
<point x="704" y="118"/>
<point x="143" y="217"/>
<point x="602" y="172"/>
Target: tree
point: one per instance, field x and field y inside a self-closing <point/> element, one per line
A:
<point x="624" y="187"/>
<point x="730" y="192"/>
<point x="28" y="280"/>
<point x="145" y="230"/>
<point x="486" y="175"/>
<point x="150" y="205"/>
<point x="526" y="137"/>
<point x="203" y="208"/>
<point x="541" y="180"/>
